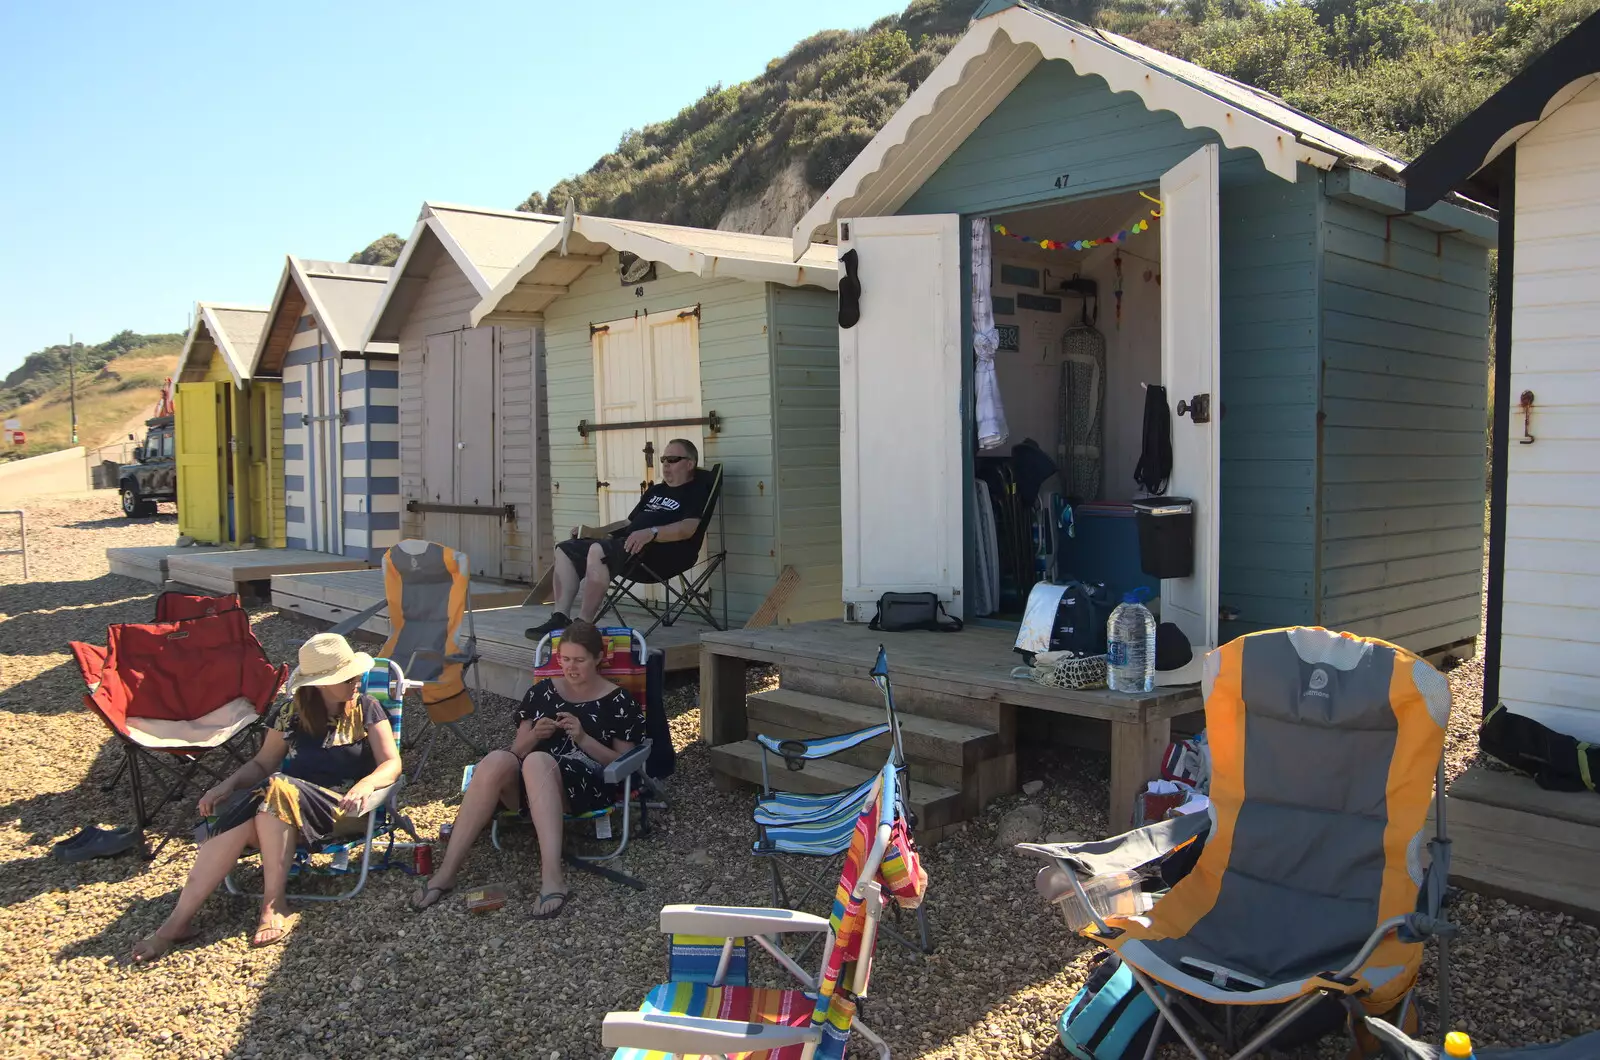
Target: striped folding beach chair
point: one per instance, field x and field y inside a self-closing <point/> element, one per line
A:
<point x="356" y="853"/>
<point x="803" y="834"/>
<point x="696" y="1015"/>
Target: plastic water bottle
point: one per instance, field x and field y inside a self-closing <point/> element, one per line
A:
<point x="1457" y="1046"/>
<point x="1131" y="646"/>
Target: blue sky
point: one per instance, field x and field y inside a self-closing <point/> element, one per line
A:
<point x="156" y="154"/>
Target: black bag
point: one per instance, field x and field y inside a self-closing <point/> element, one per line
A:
<point x="1080" y="625"/>
<point x="899" y="612"/>
<point x="1555" y="761"/>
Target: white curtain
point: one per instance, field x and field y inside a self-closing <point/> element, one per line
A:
<point x="992" y="429"/>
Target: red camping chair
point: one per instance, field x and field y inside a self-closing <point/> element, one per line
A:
<point x="174" y="606"/>
<point x="179" y="695"/>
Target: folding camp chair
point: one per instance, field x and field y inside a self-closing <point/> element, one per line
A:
<point x="427" y="593"/>
<point x="1311" y="883"/>
<point x="388" y="684"/>
<point x="633" y="666"/>
<point x="690" y="594"/>
<point x="793" y="825"/>
<point x="183" y="698"/>
<point x="707" y="1006"/>
<point x="172" y="606"/>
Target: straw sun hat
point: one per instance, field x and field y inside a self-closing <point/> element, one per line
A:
<point x="327" y="659"/>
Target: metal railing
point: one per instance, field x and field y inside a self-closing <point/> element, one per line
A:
<point x="22" y="527"/>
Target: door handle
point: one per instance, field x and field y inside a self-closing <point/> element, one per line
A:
<point x="1197" y="408"/>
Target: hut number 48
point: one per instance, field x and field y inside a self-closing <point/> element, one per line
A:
<point x="1061" y="181"/>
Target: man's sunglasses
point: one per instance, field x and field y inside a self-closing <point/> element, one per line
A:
<point x="673" y="459"/>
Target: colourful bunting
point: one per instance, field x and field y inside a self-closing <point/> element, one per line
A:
<point x="1121" y="236"/>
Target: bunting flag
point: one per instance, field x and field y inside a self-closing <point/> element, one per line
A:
<point x="1121" y="236"/>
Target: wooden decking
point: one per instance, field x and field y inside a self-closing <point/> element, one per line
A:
<point x="249" y="571"/>
<point x="963" y="678"/>
<point x="148" y="563"/>
<point x="1514" y="840"/>
<point x="499" y="620"/>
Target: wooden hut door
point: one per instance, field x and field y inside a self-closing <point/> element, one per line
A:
<point x="476" y="449"/>
<point x="1190" y="369"/>
<point x="198" y="416"/>
<point x="621" y="395"/>
<point x="439" y="436"/>
<point x="900" y="426"/>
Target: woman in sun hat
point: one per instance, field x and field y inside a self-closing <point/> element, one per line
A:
<point x="329" y="749"/>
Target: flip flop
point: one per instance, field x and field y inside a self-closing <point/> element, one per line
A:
<point x="273" y="924"/>
<point x="418" y="905"/>
<point x="560" y="896"/>
<point x="158" y="947"/>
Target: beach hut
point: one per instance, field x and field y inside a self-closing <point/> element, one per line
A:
<point x="653" y="332"/>
<point x="470" y="460"/>
<point x="227" y="432"/>
<point x="1061" y="220"/>
<point x="341" y="492"/>
<point x="1533" y="150"/>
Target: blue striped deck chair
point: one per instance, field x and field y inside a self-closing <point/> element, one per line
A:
<point x="386" y="683"/>
<point x="691" y="1015"/>
<point x="805" y="833"/>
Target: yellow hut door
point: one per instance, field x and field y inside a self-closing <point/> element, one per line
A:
<point x="268" y="519"/>
<point x="199" y="416"/>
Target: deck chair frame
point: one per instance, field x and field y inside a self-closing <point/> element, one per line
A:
<point x="639" y="789"/>
<point x="828" y="811"/>
<point x="690" y="595"/>
<point x="392" y="686"/>
<point x="685" y="1035"/>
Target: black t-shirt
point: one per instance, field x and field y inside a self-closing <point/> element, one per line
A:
<point x="663" y="505"/>
<point x="341" y="757"/>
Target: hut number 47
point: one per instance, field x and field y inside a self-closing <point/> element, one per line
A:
<point x="1061" y="181"/>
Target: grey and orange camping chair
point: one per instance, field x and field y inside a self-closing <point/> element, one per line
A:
<point x="707" y="1007"/>
<point x="428" y="596"/>
<point x="1317" y="881"/>
<point x="184" y="698"/>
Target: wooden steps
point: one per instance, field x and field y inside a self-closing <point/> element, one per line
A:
<point x="936" y="807"/>
<point x="937" y="751"/>
<point x="1512" y="839"/>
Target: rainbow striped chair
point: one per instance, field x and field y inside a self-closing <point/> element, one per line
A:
<point x="707" y="1008"/>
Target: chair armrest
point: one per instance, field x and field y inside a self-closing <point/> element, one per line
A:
<point x="821" y="746"/>
<point x="353" y="623"/>
<point x="697" y="1035"/>
<point x="632" y="762"/>
<point x="732" y="921"/>
<point x="1120" y="853"/>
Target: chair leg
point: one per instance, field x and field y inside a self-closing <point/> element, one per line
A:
<point x="1166" y="1011"/>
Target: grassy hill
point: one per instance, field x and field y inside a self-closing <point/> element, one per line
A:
<point x="112" y="397"/>
<point x="1397" y="73"/>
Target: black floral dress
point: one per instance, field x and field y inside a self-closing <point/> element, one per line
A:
<point x="614" y="716"/>
<point x="315" y="773"/>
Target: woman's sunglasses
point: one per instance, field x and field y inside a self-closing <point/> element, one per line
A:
<point x="673" y="459"/>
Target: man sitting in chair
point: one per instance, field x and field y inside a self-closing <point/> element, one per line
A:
<point x="658" y="530"/>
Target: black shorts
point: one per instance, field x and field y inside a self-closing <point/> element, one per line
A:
<point x="577" y="549"/>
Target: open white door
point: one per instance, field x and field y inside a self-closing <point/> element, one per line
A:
<point x="900" y="444"/>
<point x="1191" y="345"/>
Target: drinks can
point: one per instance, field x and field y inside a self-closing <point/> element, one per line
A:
<point x="444" y="832"/>
<point x="424" y="859"/>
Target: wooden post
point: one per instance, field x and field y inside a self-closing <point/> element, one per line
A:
<point x="1136" y="750"/>
<point x="722" y="698"/>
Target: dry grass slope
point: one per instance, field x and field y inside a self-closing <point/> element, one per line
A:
<point x="124" y="391"/>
